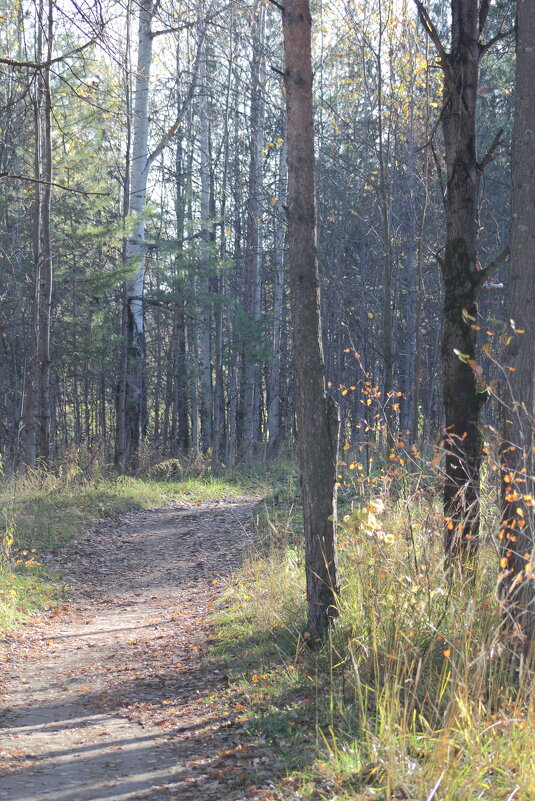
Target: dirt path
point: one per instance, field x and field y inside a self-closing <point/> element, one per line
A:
<point x="110" y="698"/>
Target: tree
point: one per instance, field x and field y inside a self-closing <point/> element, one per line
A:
<point x="464" y="394"/>
<point x="37" y="411"/>
<point x="135" y="251"/>
<point x="517" y="585"/>
<point x="316" y="413"/>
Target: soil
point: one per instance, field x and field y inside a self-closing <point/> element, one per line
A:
<point x="110" y="696"/>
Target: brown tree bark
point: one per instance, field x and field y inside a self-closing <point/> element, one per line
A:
<point x="517" y="577"/>
<point x="462" y="399"/>
<point x="253" y="246"/>
<point x="463" y="279"/>
<point x="45" y="294"/>
<point x="317" y="414"/>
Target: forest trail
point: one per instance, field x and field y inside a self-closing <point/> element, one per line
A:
<point x="109" y="698"/>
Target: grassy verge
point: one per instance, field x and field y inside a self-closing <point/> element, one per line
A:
<point x="414" y="698"/>
<point x="42" y="511"/>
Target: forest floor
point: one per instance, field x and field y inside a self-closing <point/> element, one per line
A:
<point x="110" y="694"/>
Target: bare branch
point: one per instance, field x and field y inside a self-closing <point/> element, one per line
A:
<point x="177" y="29"/>
<point x="489" y="155"/>
<point x="52" y="183"/>
<point x="484" y="48"/>
<point x="41" y="65"/>
<point x="279" y="5"/>
<point x="433" y="34"/>
<point x="492" y="268"/>
<point x="164" y="141"/>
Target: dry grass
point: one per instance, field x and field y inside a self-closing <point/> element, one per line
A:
<point x="415" y="697"/>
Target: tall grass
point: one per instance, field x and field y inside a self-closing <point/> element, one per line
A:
<point x="416" y="696"/>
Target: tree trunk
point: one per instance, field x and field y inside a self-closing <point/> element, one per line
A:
<point x="135" y="247"/>
<point x="274" y="381"/>
<point x="517" y="576"/>
<point x="120" y="405"/>
<point x="45" y="294"/>
<point x="317" y="414"/>
<point x="253" y="256"/>
<point x="32" y="383"/>
<point x="205" y="345"/>
<point x="463" y="398"/>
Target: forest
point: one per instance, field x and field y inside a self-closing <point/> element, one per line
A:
<point x="272" y="262"/>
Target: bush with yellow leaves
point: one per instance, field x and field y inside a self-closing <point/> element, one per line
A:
<point x="365" y="521"/>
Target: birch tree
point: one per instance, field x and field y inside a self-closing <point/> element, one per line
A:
<point x="135" y="250"/>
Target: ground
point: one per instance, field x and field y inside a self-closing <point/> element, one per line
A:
<point x="111" y="695"/>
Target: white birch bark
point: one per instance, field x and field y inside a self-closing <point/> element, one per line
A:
<point x="135" y="249"/>
<point x="135" y="246"/>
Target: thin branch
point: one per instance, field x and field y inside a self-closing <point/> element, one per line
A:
<point x="432" y="134"/>
<point x="164" y="141"/>
<point x="484" y="48"/>
<point x="40" y="65"/>
<point x="52" y="183"/>
<point x="279" y="5"/>
<point x="492" y="268"/>
<point x="488" y="158"/>
<point x="433" y="34"/>
<point x="177" y="29"/>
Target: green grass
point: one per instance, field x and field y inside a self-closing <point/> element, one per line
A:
<point x="413" y="692"/>
<point x="23" y="592"/>
<point x="42" y="511"/>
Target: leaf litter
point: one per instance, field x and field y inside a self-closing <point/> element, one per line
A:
<point x="110" y="696"/>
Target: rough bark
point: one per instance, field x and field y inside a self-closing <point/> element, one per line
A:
<point x="274" y="380"/>
<point x="253" y="256"/>
<point x="317" y="414"/>
<point x="517" y="577"/>
<point x="32" y="380"/>
<point x="463" y="398"/>
<point x="207" y="238"/>
<point x="45" y="293"/>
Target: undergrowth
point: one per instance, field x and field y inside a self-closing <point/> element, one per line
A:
<point x="414" y="697"/>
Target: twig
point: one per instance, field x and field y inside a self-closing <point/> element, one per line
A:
<point x="41" y="65"/>
<point x="484" y="48"/>
<point x="490" y="269"/>
<point x="489" y="155"/>
<point x="435" y="788"/>
<point x="52" y="183"/>
<point x="433" y="34"/>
